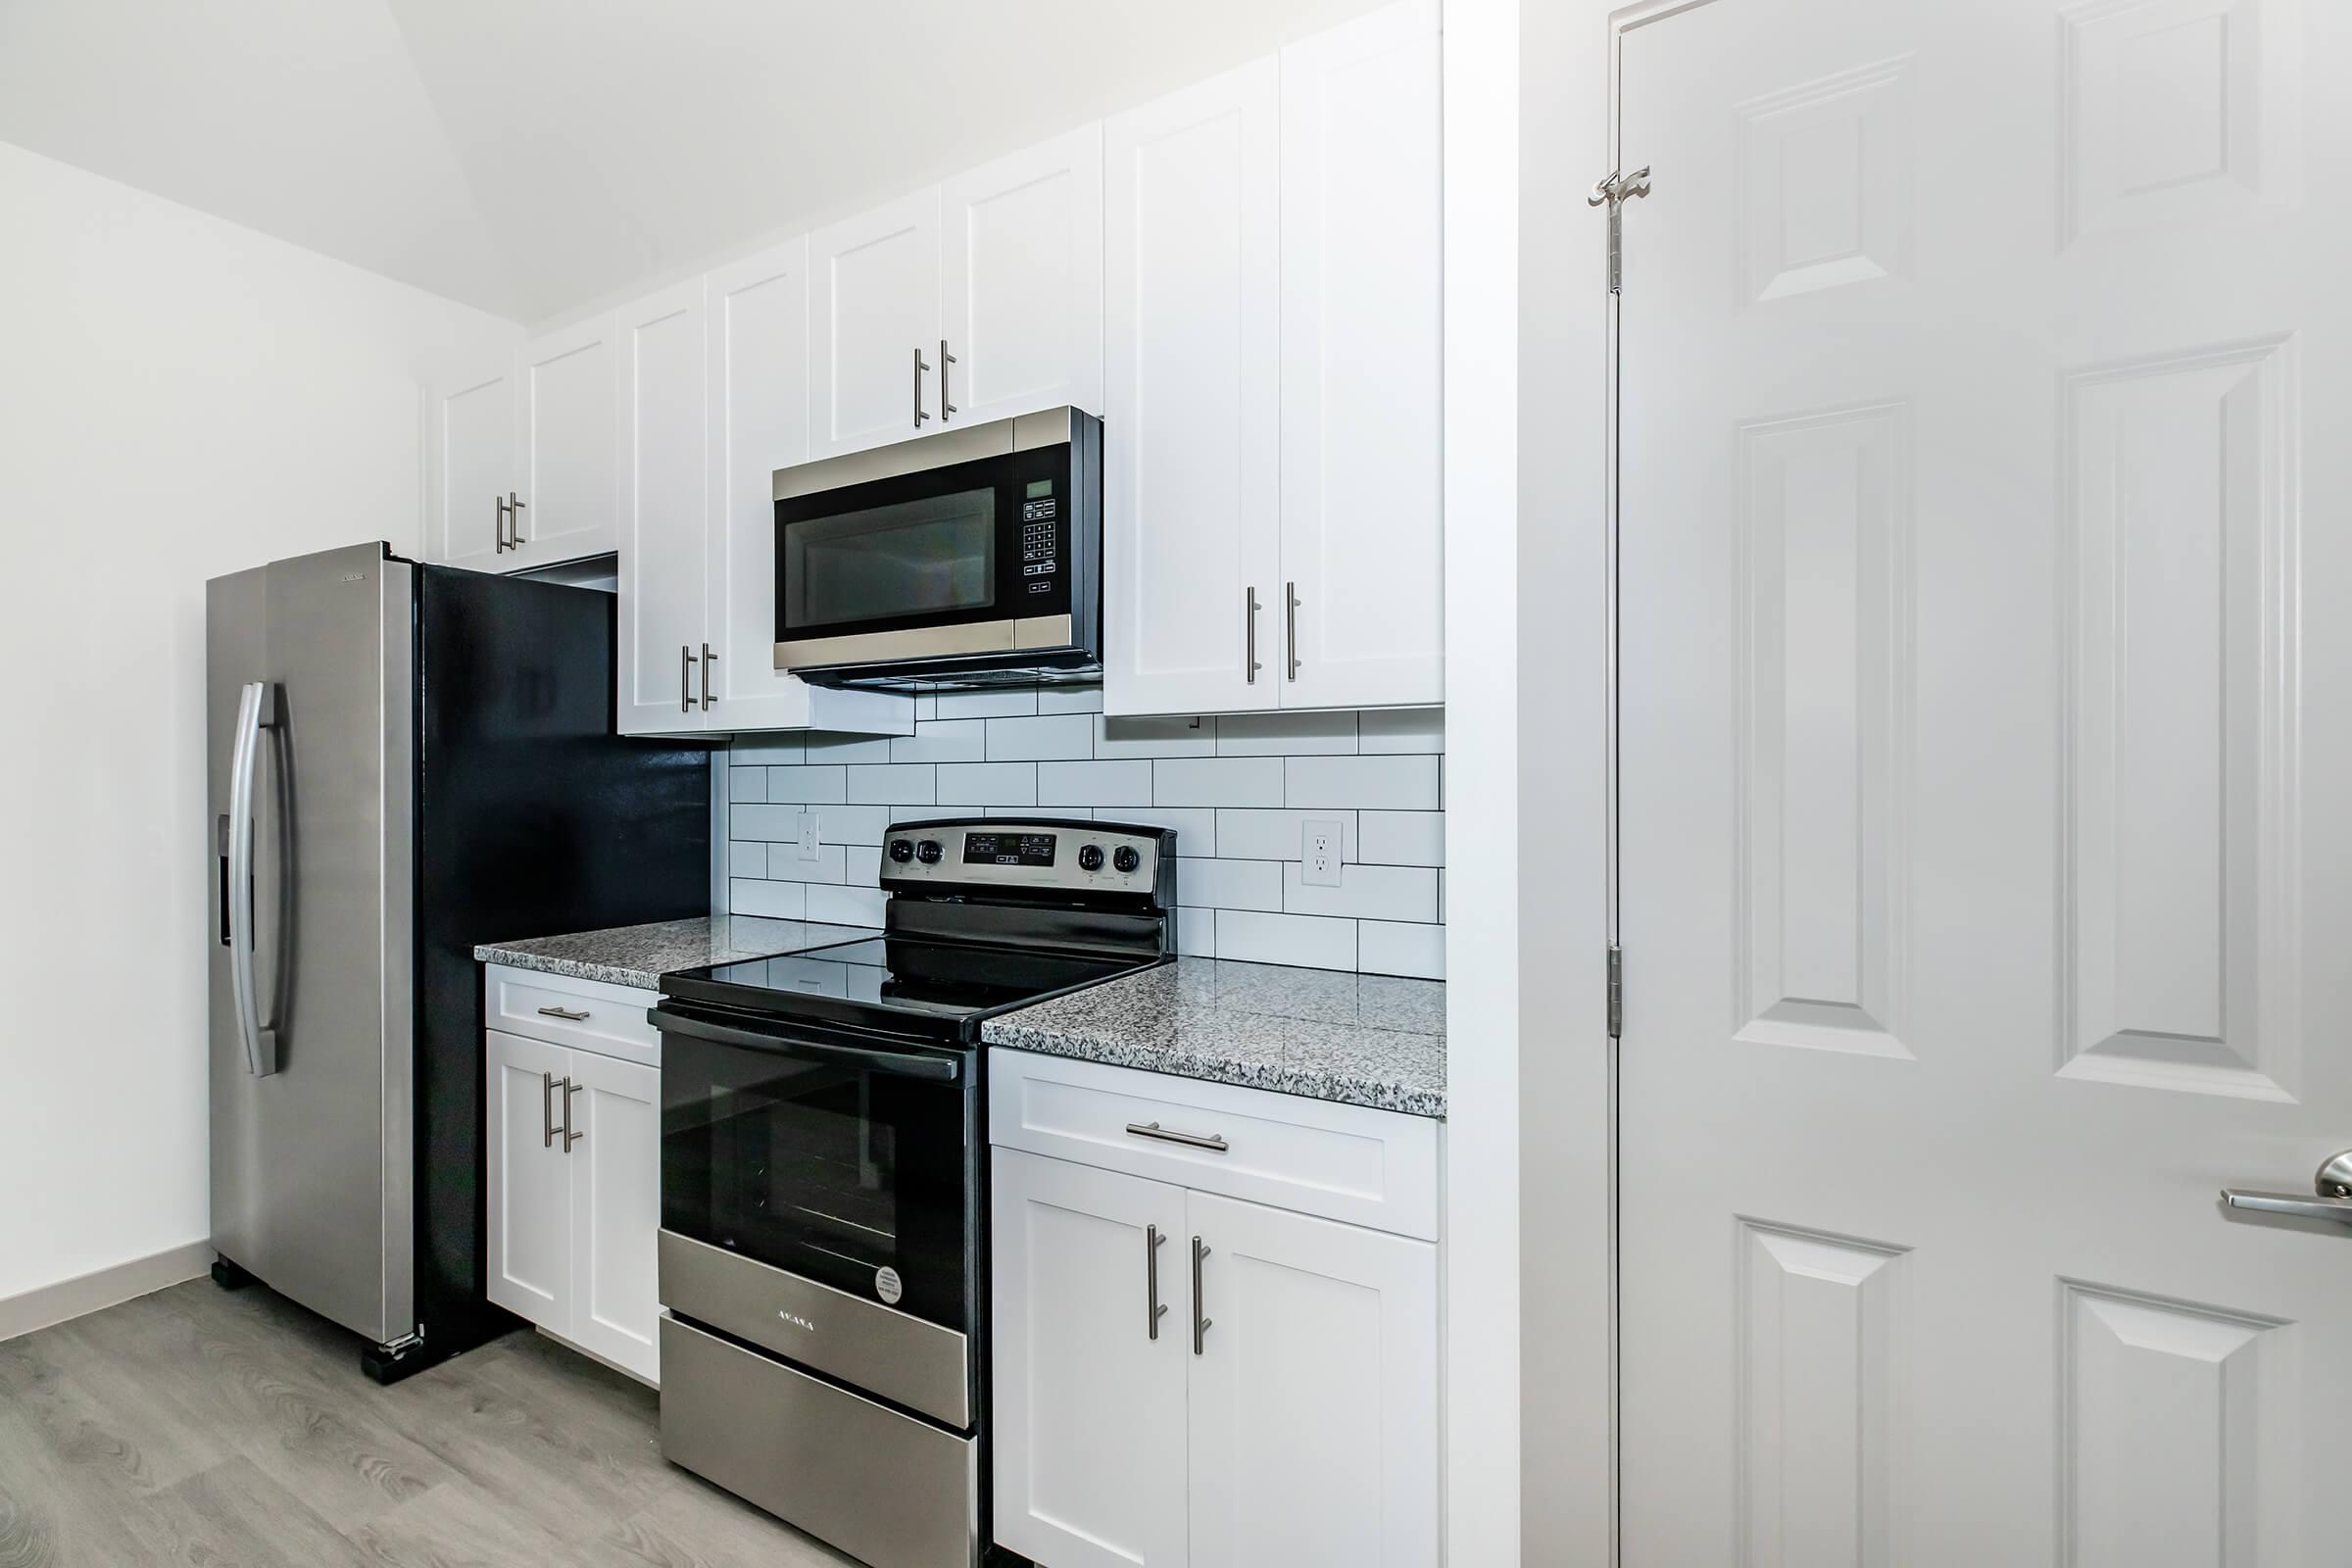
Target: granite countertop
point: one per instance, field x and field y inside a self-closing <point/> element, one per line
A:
<point x="1357" y="1039"/>
<point x="640" y="956"/>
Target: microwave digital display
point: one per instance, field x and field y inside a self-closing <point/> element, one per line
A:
<point x="1008" y="848"/>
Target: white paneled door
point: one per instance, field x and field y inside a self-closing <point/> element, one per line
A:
<point x="664" y="682"/>
<point x="567" y="440"/>
<point x="1022" y="282"/>
<point x="473" y="451"/>
<point x="873" y="326"/>
<point x="1984" y="888"/>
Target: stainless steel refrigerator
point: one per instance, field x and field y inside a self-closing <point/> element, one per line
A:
<point x="404" y="760"/>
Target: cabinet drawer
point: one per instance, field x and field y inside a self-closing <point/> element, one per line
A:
<point x="585" y="1014"/>
<point x="1376" y="1168"/>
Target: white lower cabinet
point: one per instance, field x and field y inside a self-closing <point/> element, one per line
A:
<point x="575" y="1196"/>
<point x="1281" y="1411"/>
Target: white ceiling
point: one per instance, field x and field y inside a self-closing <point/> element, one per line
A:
<point x="530" y="156"/>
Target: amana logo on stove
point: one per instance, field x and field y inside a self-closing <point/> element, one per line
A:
<point x="797" y="1321"/>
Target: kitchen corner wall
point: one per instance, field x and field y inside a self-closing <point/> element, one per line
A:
<point x="1238" y="790"/>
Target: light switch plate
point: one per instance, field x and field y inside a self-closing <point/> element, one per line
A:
<point x="808" y="838"/>
<point x="1325" y="838"/>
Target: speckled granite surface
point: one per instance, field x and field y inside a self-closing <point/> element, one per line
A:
<point x="641" y="954"/>
<point x="1357" y="1039"/>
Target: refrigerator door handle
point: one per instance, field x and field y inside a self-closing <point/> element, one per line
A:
<point x="257" y="711"/>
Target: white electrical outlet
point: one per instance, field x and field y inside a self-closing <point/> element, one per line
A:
<point x="808" y="839"/>
<point x="1325" y="841"/>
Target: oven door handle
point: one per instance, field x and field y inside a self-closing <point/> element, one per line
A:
<point x="898" y="1064"/>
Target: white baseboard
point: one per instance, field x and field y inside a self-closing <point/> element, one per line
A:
<point x="67" y="1299"/>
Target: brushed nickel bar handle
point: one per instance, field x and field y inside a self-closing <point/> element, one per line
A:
<point x="1202" y="1322"/>
<point x="1152" y="1242"/>
<point x="500" y="504"/>
<point x="946" y="409"/>
<point x="1168" y="1135"/>
<point x="547" y="1109"/>
<point x="570" y="1136"/>
<point x="514" y="506"/>
<point x="1290" y="626"/>
<point x="709" y="659"/>
<point x="685" y="679"/>
<point x="564" y="1014"/>
<point x="919" y="369"/>
<point x="1249" y="633"/>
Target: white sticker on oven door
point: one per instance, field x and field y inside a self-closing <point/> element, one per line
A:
<point x="887" y="1286"/>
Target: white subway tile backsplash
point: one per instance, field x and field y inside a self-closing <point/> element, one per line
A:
<point x="1404" y="838"/>
<point x="1286" y="734"/>
<point x="1383" y="948"/>
<point x="1154" y="737"/>
<point x="1403" y="730"/>
<point x="989" y="783"/>
<point x="1279" y="835"/>
<point x="778" y="900"/>
<point x="845" y="906"/>
<point x="1056" y="737"/>
<point x="814" y="786"/>
<point x="1228" y="884"/>
<point x="1365" y="893"/>
<point x="995" y="703"/>
<point x="1069" y="784"/>
<point x="1300" y="939"/>
<point x="881" y="783"/>
<point x="1217" y="781"/>
<point x="1238" y="789"/>
<point x="945" y="740"/>
<point x="1385" y="783"/>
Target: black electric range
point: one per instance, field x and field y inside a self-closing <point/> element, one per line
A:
<point x="824" y="1177"/>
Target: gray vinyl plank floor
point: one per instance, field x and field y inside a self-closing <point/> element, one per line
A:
<point x="234" y="1430"/>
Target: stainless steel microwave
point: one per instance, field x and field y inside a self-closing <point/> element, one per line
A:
<point x="968" y="558"/>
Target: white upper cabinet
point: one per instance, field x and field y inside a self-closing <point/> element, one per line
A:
<point x="567" y="445"/>
<point x="1362" y="552"/>
<point x="1021" y="283"/>
<point x="1190" y="529"/>
<point x="471" y="450"/>
<point x="873" y="326"/>
<point x="663" y="518"/>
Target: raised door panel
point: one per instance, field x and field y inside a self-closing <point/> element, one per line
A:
<point x="758" y="366"/>
<point x="566" y="440"/>
<point x="471" y="444"/>
<point x="663" y="516"/>
<point x="1191" y="308"/>
<point x="873" y="326"/>
<point x="1022" y="282"/>
<point x="615" y="1211"/>
<point x="1362" y="544"/>
<point x="1314" y="1394"/>
<point x="529" y="1193"/>
<point x="1090" y="1380"/>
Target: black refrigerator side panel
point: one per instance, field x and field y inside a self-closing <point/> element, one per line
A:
<point x="533" y="818"/>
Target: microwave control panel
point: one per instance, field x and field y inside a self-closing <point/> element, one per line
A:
<point x="1039" y="541"/>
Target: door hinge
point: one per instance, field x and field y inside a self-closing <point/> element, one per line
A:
<point x="1616" y="992"/>
<point x="1614" y="192"/>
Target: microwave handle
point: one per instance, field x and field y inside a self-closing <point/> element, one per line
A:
<point x="897" y="1064"/>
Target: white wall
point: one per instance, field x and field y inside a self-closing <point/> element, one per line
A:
<point x="178" y="397"/>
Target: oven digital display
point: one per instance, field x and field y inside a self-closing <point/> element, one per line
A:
<point x="1008" y="848"/>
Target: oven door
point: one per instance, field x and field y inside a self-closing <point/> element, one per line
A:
<point x="842" y="1160"/>
<point x="966" y="557"/>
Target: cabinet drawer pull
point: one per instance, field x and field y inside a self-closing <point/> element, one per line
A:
<point x="685" y="679"/>
<point x="1289" y="626"/>
<point x="947" y="409"/>
<point x="564" y="1014"/>
<point x="570" y="1136"/>
<point x="919" y="369"/>
<point x="1152" y="1242"/>
<point x="1166" y="1135"/>
<point x="709" y="659"/>
<point x="1202" y="1321"/>
<point x="1249" y="663"/>
<point x="547" y="1109"/>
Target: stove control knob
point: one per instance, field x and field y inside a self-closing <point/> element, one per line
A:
<point x="928" y="851"/>
<point x="901" y="850"/>
<point x="1090" y="858"/>
<point x="1126" y="859"/>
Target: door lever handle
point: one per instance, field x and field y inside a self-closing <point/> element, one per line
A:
<point x="2332" y="1198"/>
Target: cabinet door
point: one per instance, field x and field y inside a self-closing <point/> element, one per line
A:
<point x="615" y="1210"/>
<point x="663" y="515"/>
<point x="1191" y="449"/>
<point x="472" y="448"/>
<point x="530" y="1182"/>
<point x="567" y="440"/>
<point x="1089" y="1385"/>
<point x="1314" y="1400"/>
<point x="1362" y="547"/>
<point x="873" y="326"/>
<point x="1022" y="282"/>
